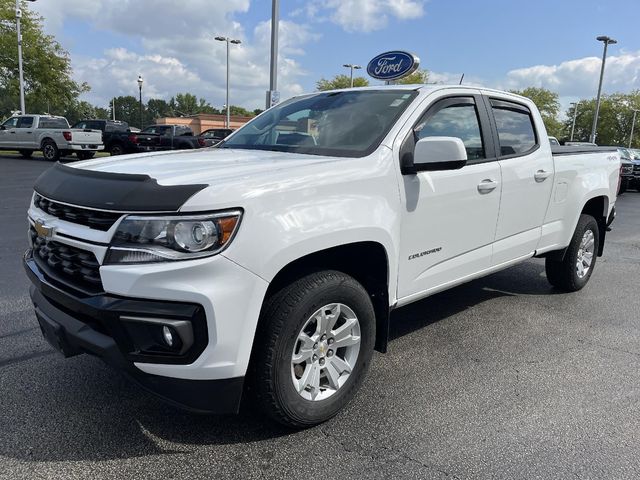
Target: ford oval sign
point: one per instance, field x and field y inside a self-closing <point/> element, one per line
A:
<point x="393" y="65"/>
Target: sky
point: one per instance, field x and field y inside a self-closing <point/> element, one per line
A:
<point x="505" y="44"/>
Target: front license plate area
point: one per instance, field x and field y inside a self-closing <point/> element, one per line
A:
<point x="55" y="336"/>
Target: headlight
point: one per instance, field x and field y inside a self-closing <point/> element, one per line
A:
<point x="147" y="239"/>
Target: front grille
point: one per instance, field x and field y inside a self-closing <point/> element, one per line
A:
<point x="95" y="219"/>
<point x="67" y="265"/>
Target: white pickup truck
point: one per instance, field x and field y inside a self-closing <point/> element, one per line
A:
<point x="266" y="268"/>
<point x="51" y="135"/>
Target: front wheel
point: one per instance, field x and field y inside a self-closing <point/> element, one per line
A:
<point x="313" y="348"/>
<point x="574" y="271"/>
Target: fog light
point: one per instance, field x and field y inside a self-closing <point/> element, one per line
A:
<point x="168" y="336"/>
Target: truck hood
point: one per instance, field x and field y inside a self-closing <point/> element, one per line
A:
<point x="204" y="166"/>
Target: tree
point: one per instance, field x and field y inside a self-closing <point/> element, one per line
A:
<point x="47" y="66"/>
<point x="614" y="119"/>
<point x="128" y="110"/>
<point x="340" y="81"/>
<point x="548" y="104"/>
<point x="417" y="77"/>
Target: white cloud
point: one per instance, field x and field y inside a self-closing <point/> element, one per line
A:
<point x="365" y="15"/>
<point x="579" y="78"/>
<point x="177" y="51"/>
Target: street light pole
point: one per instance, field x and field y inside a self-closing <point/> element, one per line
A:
<point x="140" y="81"/>
<point x="575" y="114"/>
<point x="352" y="67"/>
<point x="273" y="63"/>
<point x="633" y="124"/>
<point x="235" y="42"/>
<point x="607" y="41"/>
<point x="20" y="69"/>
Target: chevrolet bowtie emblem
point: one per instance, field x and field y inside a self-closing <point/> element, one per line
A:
<point x="42" y="230"/>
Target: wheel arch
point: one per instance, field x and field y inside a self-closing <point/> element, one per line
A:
<point x="598" y="208"/>
<point x="366" y="261"/>
<point x="47" y="139"/>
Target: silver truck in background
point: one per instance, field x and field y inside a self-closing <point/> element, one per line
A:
<point x="51" y="135"/>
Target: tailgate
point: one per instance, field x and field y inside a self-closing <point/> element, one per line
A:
<point x="86" y="137"/>
<point x="148" y="139"/>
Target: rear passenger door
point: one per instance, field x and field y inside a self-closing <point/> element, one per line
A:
<point x="527" y="178"/>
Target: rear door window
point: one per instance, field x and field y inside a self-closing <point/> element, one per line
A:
<point x="516" y="131"/>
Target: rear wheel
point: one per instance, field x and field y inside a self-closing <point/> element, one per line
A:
<point x="85" y="155"/>
<point x="116" y="149"/>
<point x="26" y="153"/>
<point x="50" y="151"/>
<point x="574" y="271"/>
<point x="313" y="348"/>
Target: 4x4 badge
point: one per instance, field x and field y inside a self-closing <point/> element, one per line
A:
<point x="42" y="230"/>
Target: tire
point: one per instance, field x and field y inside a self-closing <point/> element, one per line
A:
<point x="116" y="149"/>
<point x="26" y="153"/>
<point x="564" y="274"/>
<point x="283" y="317"/>
<point x="85" y="155"/>
<point x="50" y="151"/>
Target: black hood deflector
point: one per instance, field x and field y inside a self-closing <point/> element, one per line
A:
<point x="112" y="191"/>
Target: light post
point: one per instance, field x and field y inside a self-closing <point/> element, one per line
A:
<point x="633" y="124"/>
<point x="575" y="114"/>
<point x="273" y="96"/>
<point x="352" y="67"/>
<point x="140" y="82"/>
<point x="21" y="73"/>
<point x="607" y="41"/>
<point x="235" y="42"/>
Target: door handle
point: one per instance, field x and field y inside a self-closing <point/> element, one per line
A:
<point x="12" y="133"/>
<point x="487" y="186"/>
<point x="541" y="175"/>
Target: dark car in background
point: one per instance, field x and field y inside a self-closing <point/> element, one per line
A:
<point x="213" y="136"/>
<point x="168" y="137"/>
<point x="118" y="139"/>
<point x="635" y="159"/>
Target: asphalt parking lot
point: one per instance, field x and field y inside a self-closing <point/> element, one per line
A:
<point x="504" y="377"/>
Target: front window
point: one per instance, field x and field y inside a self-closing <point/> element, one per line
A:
<point x="11" y="123"/>
<point x="344" y="124"/>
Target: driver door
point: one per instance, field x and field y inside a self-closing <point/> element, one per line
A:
<point x="449" y="220"/>
<point x="8" y="133"/>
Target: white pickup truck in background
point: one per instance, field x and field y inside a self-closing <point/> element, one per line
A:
<point x="51" y="135"/>
<point x="267" y="267"/>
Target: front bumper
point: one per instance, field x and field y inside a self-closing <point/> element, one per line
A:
<point x="76" y="325"/>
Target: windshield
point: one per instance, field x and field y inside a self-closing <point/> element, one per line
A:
<point x="344" y="124"/>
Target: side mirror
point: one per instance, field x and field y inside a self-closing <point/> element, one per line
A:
<point x="2" y="127"/>
<point x="437" y="153"/>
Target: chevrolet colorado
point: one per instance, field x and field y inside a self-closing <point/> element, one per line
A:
<point x="267" y="267"/>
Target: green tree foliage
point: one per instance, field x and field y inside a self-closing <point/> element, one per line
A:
<point x="47" y="67"/>
<point x="340" y="81"/>
<point x="614" y="119"/>
<point x="128" y="110"/>
<point x="549" y="105"/>
<point x="417" y="77"/>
